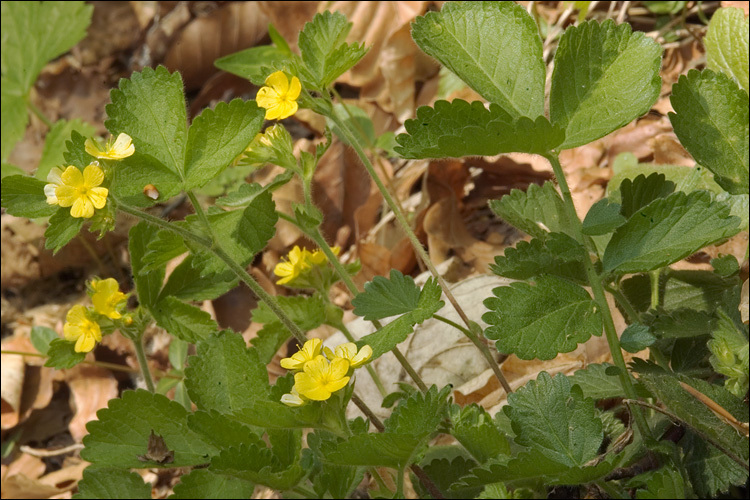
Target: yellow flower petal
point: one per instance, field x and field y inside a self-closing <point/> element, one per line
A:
<point x="93" y="175"/>
<point x="84" y="343"/>
<point x="72" y="177"/>
<point x="279" y="82"/>
<point x="294" y="89"/>
<point x="66" y="195"/>
<point x="98" y="196"/>
<point x="107" y="297"/>
<point x="92" y="147"/>
<point x="82" y="207"/>
<point x="123" y="145"/>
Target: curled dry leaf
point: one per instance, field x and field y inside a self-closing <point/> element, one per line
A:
<point x="91" y="387"/>
<point x="11" y="387"/>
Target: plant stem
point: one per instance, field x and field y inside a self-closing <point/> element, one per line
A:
<point x="416" y="244"/>
<point x="141" y="355"/>
<point x="156" y="221"/>
<point x="654" y="277"/>
<point x="623" y="302"/>
<point x="601" y="300"/>
<point x="38" y="113"/>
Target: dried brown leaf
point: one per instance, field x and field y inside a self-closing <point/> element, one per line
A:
<point x="91" y="387"/>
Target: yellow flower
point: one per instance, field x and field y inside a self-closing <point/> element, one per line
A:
<point x="309" y="351"/>
<point x="107" y="297"/>
<point x="291" y="268"/>
<point x="54" y="177"/>
<point x="321" y="378"/>
<point x="79" y="328"/>
<point x="115" y="149"/>
<point x="81" y="191"/>
<point x="293" y="399"/>
<point x="318" y="257"/>
<point x="349" y="352"/>
<point x="279" y="96"/>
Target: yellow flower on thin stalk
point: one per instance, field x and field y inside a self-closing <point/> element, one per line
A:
<point x="309" y="351"/>
<point x="107" y="298"/>
<point x="349" y="352"/>
<point x="291" y="268"/>
<point x="81" y="191"/>
<point x="279" y="96"/>
<point x="80" y="329"/>
<point x="322" y="378"/>
<point x="114" y="149"/>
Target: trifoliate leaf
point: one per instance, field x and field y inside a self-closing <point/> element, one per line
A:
<point x="225" y="375"/>
<point x="668" y="230"/>
<point x="457" y="128"/>
<point x="636" y="337"/>
<point x="111" y="482"/>
<point x="55" y="144"/>
<point x="477" y="432"/>
<point x="711" y="121"/>
<point x="253" y="64"/>
<point x="558" y="255"/>
<point x="205" y="483"/>
<point x="147" y="282"/>
<point x="23" y="196"/>
<point x="62" y="228"/>
<point x="727" y="44"/>
<point x="605" y="76"/>
<point x="543" y="320"/>
<point x="217" y="136"/>
<point x="61" y="354"/>
<point x="494" y="47"/>
<point x="122" y="432"/>
<point x="537" y="211"/>
<point x="256" y="464"/>
<point x="385" y="297"/>
<point x="182" y="320"/>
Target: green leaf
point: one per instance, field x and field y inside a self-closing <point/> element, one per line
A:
<point x="34" y="33"/>
<point x="253" y="64"/>
<point x="477" y="432"/>
<point x="324" y="49"/>
<point x="420" y="414"/>
<point x="710" y="470"/>
<point x="559" y="255"/>
<point x="256" y="464"/>
<point x="147" y="284"/>
<point x="225" y="375"/>
<point x="668" y="230"/>
<point x="182" y="320"/>
<point x="135" y="172"/>
<point x="122" y="430"/>
<point x="55" y="144"/>
<point x="150" y="108"/>
<point x="639" y="192"/>
<point x="596" y="383"/>
<point x="217" y="136"/>
<point x="308" y="312"/>
<point x="269" y="340"/>
<point x="549" y="415"/>
<point x="275" y="415"/>
<point x="246" y="193"/>
<point x="191" y="281"/>
<point x="62" y="354"/>
<point x="445" y="473"/>
<point x="727" y="44"/>
<point x="543" y="320"/>
<point x="14" y="115"/>
<point x="385" y="297"/>
<point x="23" y="196"/>
<point x="385" y="449"/>
<point x="161" y="247"/>
<point x="537" y="211"/>
<point x="664" y="483"/>
<point x="205" y="483"/>
<point x="6" y="170"/>
<point x="41" y="336"/>
<point x="111" y="482"/>
<point x="396" y="331"/>
<point x="711" y="121"/>
<point x="220" y="430"/>
<point x="603" y="217"/>
<point x="494" y="47"/>
<point x="75" y="153"/>
<point x="636" y="337"/>
<point x="605" y="76"/>
<point x="457" y="128"/>
<point x="62" y="228"/>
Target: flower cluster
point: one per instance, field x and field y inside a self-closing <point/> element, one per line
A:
<point x="82" y="324"/>
<point x="302" y="268"/>
<point x="279" y="96"/>
<point x="317" y="375"/>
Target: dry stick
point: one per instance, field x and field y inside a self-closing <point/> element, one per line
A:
<point x="40" y="453"/>
<point x="416" y="244"/>
<point x="623" y="12"/>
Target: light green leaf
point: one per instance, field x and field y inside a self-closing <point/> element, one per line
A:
<point x="276" y="415"/>
<point x="356" y="120"/>
<point x="457" y="128"/>
<point x="217" y="136"/>
<point x="603" y="217"/>
<point x="477" y="432"/>
<point x="55" y="144"/>
<point x="41" y="336"/>
<point x="246" y="193"/>
<point x="727" y="44"/>
<point x="182" y="320"/>
<point x="711" y="121"/>
<point x="385" y="297"/>
<point x="596" y="383"/>
<point x="205" y="483"/>
<point x="6" y="170"/>
<point x="147" y="283"/>
<point x="537" y="211"/>
<point x="559" y="255"/>
<point x="257" y="464"/>
<point x="253" y="63"/>
<point x="225" y="375"/>
<point x="729" y="354"/>
<point x="62" y="354"/>
<point x="14" y="115"/>
<point x="325" y="52"/>
<point x="494" y="47"/>
<point x="542" y="320"/>
<point x="122" y="430"/>
<point x="23" y="196"/>
<point x="605" y="76"/>
<point x="549" y="415"/>
<point x="62" y="228"/>
<point x="668" y="230"/>
<point x="150" y="108"/>
<point x="111" y="482"/>
<point x="269" y="340"/>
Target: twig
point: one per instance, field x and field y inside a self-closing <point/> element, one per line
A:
<point x="41" y="453"/>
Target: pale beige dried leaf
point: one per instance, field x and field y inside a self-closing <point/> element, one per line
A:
<point x="12" y="369"/>
<point x="91" y="387"/>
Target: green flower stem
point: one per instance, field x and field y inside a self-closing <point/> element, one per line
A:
<point x="623" y="302"/>
<point x="375" y="377"/>
<point x="654" y="276"/>
<point x="416" y="244"/>
<point x="598" y="291"/>
<point x="156" y="221"/>
<point x="400" y="483"/>
<point x="38" y="112"/>
<point x="141" y="355"/>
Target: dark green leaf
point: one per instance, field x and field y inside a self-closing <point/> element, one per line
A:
<point x="664" y="483"/>
<point x="111" y="482"/>
<point x="147" y="284"/>
<point x="603" y="217"/>
<point x="596" y="383"/>
<point x="256" y="464"/>
<point x="636" y="337"/>
<point x="269" y="340"/>
<point x="62" y="228"/>
<point x="205" y="483"/>
<point x="161" y="247"/>
<point x="558" y="254"/>
<point x="220" y="430"/>
<point x="420" y="414"/>
<point x="710" y="470"/>
<point x="477" y="432"/>
<point x="23" y="196"/>
<point x="446" y="472"/>
<point x="182" y="320"/>
<point x="386" y="450"/>
<point x="190" y="281"/>
<point x="385" y="297"/>
<point x="537" y="211"/>
<point x="275" y="415"/>
<point x="62" y="354"/>
<point x="639" y="192"/>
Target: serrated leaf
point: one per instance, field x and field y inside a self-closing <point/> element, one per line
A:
<point x="457" y="128"/>
<point x="396" y="331"/>
<point x="668" y="230"/>
<point x="536" y="211"/>
<point x="596" y="383"/>
<point x="275" y="415"/>
<point x="23" y="196"/>
<point x="558" y="255"/>
<point x="220" y="430"/>
<point x="205" y="483"/>
<point x="385" y="450"/>
<point x="61" y="354"/>
<point x="603" y="217"/>
<point x="246" y="193"/>
<point x="150" y="108"/>
<point x="420" y="414"/>
<point x="189" y="281"/>
<point x="637" y="193"/>
<point x="727" y="44"/>
<point x="308" y="312"/>
<point x="325" y="52"/>
<point x="543" y="320"/>
<point x="147" y="283"/>
<point x="244" y="233"/>
<point x="494" y="47"/>
<point x="384" y="297"/>
<point x="62" y="228"/>
<point x="75" y="151"/>
<point x="663" y="483"/>
<point x="476" y="431"/>
<point x="445" y="473"/>
<point x="161" y="247"/>
<point x="710" y="470"/>
<point x="605" y="76"/>
<point x="269" y="340"/>
<point x="14" y="116"/>
<point x="55" y="144"/>
<point x="225" y="375"/>
<point x="41" y="336"/>
<point x="253" y="63"/>
<point x="711" y="121"/>
<point x="111" y="482"/>
<point x="257" y="464"/>
<point x="636" y="337"/>
<point x="217" y="136"/>
<point x="122" y="431"/>
<point x="182" y="320"/>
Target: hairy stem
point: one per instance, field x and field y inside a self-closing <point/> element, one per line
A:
<point x="141" y="355"/>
